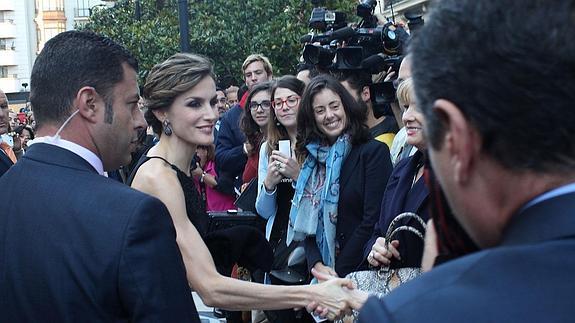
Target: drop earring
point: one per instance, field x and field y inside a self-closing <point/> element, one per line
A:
<point x="167" y="127"/>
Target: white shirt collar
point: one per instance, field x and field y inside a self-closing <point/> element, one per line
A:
<point x="86" y="154"/>
<point x="561" y="190"/>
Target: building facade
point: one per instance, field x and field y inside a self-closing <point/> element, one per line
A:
<point x="398" y="8"/>
<point x="25" y="26"/>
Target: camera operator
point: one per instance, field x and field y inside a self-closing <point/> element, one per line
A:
<point x="357" y="83"/>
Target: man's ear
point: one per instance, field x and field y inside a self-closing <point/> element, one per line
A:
<point x="88" y="101"/>
<point x="461" y="140"/>
<point x="365" y="94"/>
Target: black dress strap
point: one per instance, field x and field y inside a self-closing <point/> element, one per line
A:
<point x="195" y="207"/>
<point x="174" y="167"/>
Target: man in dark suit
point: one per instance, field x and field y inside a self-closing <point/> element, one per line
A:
<point x="5" y="150"/>
<point x="77" y="246"/>
<point x="498" y="101"/>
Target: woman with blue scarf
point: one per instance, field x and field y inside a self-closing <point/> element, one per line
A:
<point x="341" y="182"/>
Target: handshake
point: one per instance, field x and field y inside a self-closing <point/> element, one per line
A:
<point x="334" y="297"/>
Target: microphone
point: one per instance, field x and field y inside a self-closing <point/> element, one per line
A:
<point x="343" y="33"/>
<point x="374" y="63"/>
<point x="306" y="38"/>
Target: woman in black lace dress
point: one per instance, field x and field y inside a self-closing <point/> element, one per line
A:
<point x="180" y="95"/>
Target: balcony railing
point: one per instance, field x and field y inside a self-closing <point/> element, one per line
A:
<point x="7" y="47"/>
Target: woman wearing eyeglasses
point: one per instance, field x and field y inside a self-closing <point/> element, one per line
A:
<point x="276" y="172"/>
<point x="253" y="122"/>
<point x="341" y="181"/>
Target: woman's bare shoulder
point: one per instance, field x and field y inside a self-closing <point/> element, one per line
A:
<point x="153" y="175"/>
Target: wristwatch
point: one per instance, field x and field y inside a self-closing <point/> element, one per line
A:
<point x="202" y="178"/>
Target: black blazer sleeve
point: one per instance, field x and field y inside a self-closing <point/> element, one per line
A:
<point x="380" y="228"/>
<point x="151" y="272"/>
<point x="372" y="175"/>
<point x="312" y="253"/>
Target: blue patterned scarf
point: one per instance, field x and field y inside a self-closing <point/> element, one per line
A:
<point x="314" y="205"/>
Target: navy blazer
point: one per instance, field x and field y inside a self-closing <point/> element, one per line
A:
<point x="401" y="197"/>
<point x="363" y="178"/>
<point x="79" y="247"/>
<point x="230" y="156"/>
<point x="527" y="278"/>
<point x="5" y="163"/>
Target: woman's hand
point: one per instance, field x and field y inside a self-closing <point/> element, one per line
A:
<point x="322" y="272"/>
<point x="248" y="149"/>
<point x="273" y="175"/>
<point x="380" y="255"/>
<point x="198" y="171"/>
<point x="288" y="166"/>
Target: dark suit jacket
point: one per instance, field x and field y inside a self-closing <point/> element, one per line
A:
<point x="79" y="247"/>
<point x="5" y="163"/>
<point x="401" y="197"/>
<point x="527" y="278"/>
<point x="363" y="178"/>
<point x="230" y="156"/>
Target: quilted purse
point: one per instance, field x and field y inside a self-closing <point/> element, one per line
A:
<point x="381" y="281"/>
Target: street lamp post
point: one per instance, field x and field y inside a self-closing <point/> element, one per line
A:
<point x="138" y="10"/>
<point x="184" y="31"/>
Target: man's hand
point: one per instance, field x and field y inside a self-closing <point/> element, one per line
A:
<point x="333" y="297"/>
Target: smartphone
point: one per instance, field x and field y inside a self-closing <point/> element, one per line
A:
<point x="7" y="139"/>
<point x="285" y="147"/>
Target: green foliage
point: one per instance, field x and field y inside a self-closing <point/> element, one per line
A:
<point x="227" y="31"/>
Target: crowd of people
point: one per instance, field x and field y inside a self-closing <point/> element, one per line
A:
<point x="108" y="185"/>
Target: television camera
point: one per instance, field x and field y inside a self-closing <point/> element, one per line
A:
<point x="334" y="46"/>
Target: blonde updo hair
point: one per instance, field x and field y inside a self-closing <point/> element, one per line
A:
<point x="405" y="94"/>
<point x="171" y="78"/>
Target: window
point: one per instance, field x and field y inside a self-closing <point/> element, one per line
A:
<point x="82" y="8"/>
<point x="6" y="44"/>
<point x="53" y="29"/>
<point x="3" y="72"/>
<point x="52" y="5"/>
